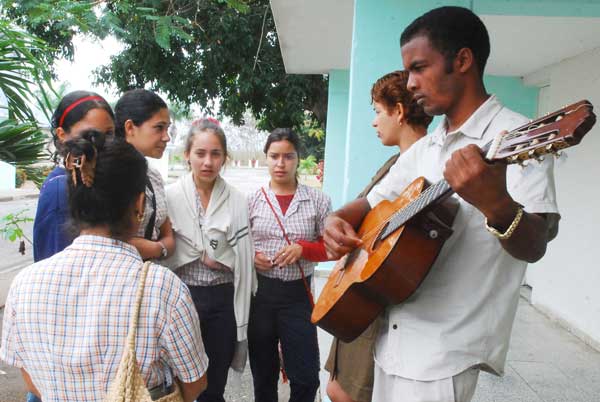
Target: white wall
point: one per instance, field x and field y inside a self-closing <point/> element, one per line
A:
<point x="566" y="281"/>
<point x="7" y="176"/>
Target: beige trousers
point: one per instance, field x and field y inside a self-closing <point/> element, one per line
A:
<point x="391" y="388"/>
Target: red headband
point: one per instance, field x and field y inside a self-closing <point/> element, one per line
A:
<point x="74" y="105"/>
<point x="211" y="119"/>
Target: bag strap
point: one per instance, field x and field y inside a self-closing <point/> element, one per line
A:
<point x="287" y="239"/>
<point x="135" y="316"/>
<point x="150" y="226"/>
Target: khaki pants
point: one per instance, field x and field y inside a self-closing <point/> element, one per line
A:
<point x="391" y="388"/>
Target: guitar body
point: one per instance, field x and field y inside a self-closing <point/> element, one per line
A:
<point x="383" y="271"/>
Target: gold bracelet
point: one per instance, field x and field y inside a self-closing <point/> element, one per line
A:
<point x="506" y="235"/>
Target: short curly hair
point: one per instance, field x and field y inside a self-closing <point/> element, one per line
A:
<point x="390" y="90"/>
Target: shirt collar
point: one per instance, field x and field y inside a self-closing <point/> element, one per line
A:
<point x="476" y="124"/>
<point x="301" y="193"/>
<point x="105" y="244"/>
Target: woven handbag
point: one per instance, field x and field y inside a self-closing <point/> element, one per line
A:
<point x="128" y="385"/>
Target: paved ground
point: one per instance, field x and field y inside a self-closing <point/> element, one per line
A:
<point x="545" y="364"/>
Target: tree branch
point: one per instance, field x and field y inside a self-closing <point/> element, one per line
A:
<point x="262" y="33"/>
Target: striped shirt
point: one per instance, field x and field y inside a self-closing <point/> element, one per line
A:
<point x="303" y="220"/>
<point x="66" y="320"/>
<point x="158" y="186"/>
<point x="196" y="273"/>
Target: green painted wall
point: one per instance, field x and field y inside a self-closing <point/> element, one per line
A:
<point x="335" y="139"/>
<point x="352" y="160"/>
<point x="512" y="93"/>
<point x="546" y="8"/>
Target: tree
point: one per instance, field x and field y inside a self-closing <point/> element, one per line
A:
<point x="196" y="52"/>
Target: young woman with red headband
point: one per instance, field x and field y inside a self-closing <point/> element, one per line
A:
<point x="77" y="111"/>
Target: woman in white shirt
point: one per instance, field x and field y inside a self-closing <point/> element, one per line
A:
<point x="142" y="119"/>
<point x="67" y="317"/>
<point x="213" y="253"/>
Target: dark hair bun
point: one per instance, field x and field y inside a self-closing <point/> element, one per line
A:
<point x="88" y="143"/>
<point x="118" y="178"/>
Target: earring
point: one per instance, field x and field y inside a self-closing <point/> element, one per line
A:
<point x="140" y="217"/>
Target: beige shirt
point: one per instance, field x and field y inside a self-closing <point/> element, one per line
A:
<point x="463" y="312"/>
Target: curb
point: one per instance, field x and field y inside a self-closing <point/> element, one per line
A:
<point x="19" y="197"/>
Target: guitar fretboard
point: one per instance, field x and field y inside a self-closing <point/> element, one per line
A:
<point x="431" y="195"/>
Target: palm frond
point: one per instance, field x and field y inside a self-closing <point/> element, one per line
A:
<point x="19" y="68"/>
<point x="21" y="144"/>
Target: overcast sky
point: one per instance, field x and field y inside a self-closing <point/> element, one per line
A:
<point x="89" y="55"/>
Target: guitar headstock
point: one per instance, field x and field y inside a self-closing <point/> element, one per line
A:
<point x="546" y="135"/>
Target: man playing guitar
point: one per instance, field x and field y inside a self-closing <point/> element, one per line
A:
<point x="432" y="347"/>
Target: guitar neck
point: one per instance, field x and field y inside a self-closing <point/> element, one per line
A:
<point x="435" y="193"/>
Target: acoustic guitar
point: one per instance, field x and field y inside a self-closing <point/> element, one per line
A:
<point x="402" y="238"/>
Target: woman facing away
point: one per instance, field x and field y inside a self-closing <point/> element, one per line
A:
<point x="399" y="121"/>
<point x="213" y="253"/>
<point x="66" y="317"/>
<point x="76" y="112"/>
<point x="287" y="220"/>
<point x="142" y="119"/>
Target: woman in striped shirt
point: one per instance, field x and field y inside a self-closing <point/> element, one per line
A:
<point x="287" y="221"/>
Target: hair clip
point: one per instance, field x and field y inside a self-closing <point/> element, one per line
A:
<point x="87" y="168"/>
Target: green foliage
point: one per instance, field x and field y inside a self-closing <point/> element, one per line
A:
<point x="193" y="51"/>
<point x="10" y="226"/>
<point x="21" y="144"/>
<point x="313" y="138"/>
<point x="20" y="177"/>
<point x="308" y="165"/>
<point x="19" y="68"/>
<point x="48" y="98"/>
<point x="21" y="141"/>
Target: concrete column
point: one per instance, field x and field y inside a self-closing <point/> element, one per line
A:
<point x="337" y="114"/>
